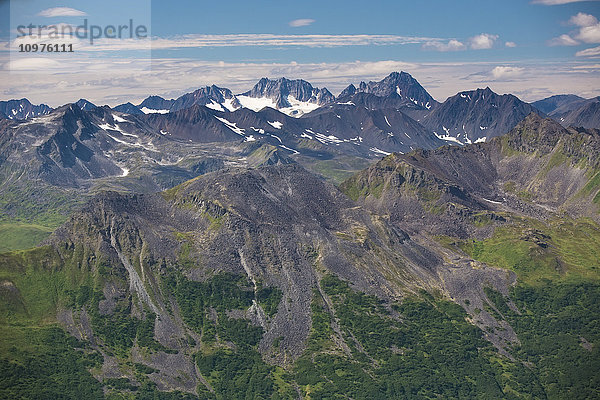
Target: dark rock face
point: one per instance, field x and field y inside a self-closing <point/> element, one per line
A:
<point x="571" y="110"/>
<point x="349" y="91"/>
<point x="219" y="98"/>
<point x="388" y="129"/>
<point x="279" y="90"/>
<point x="22" y="109"/>
<point x="73" y="148"/>
<point x="474" y="115"/>
<point x="62" y="152"/>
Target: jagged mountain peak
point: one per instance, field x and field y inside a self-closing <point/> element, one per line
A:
<point x="154" y="104"/>
<point x="535" y="127"/>
<point x="539" y="135"/>
<point x="476" y="92"/>
<point x="400" y="85"/>
<point x="349" y="91"/>
<point x="212" y="96"/>
<point x="22" y="109"/>
<point x="476" y="115"/>
<point x="294" y="96"/>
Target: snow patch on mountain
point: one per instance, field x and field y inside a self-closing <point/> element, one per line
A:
<point x="256" y="103"/>
<point x="275" y="124"/>
<point x="147" y="110"/>
<point x="232" y="125"/>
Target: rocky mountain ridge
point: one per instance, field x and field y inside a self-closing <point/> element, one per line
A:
<point x="468" y="116"/>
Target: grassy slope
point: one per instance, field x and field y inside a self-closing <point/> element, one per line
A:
<point x="338" y="169"/>
<point x="37" y="358"/>
<point x="19" y="236"/>
<point x="30" y="210"/>
<point x="559" y="250"/>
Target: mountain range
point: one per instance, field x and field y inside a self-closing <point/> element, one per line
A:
<point x="467" y="117"/>
<point x="76" y="150"/>
<point x="446" y="272"/>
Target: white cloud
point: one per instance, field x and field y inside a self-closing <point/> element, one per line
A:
<point x="451" y="45"/>
<point x="582" y="19"/>
<point x="301" y="22"/>
<point x="33" y="64"/>
<point x="510" y="44"/>
<point x="251" y="40"/>
<point x="588" y="31"/>
<point x="482" y="41"/>
<point x="592" y="52"/>
<point x="587" y="66"/>
<point x="504" y="72"/>
<point x="563" y="40"/>
<point x="589" y="27"/>
<point x="557" y="2"/>
<point x="61" y="12"/>
<point x="589" y="34"/>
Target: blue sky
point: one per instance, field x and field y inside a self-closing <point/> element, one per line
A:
<point x="524" y="47"/>
<point x="519" y="21"/>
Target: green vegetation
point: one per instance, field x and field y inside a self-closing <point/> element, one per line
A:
<point x="34" y="202"/>
<point x="269" y="299"/>
<point x="558" y="329"/>
<point x="19" y="236"/>
<point x="339" y="169"/>
<point x="358" y="347"/>
<point x="357" y="187"/>
<point x="506" y="146"/>
<point x="41" y="277"/>
<point x="229" y="359"/>
<point x="421" y="348"/>
<point x="536" y="251"/>
<point x="424" y="348"/>
<point x="482" y="219"/>
<point x="593" y="187"/>
<point x="30" y="211"/>
<point x="119" y="330"/>
<point x="510" y="187"/>
<point x="53" y="366"/>
<point x="38" y="359"/>
<point x="222" y="292"/>
<point x="557" y="159"/>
